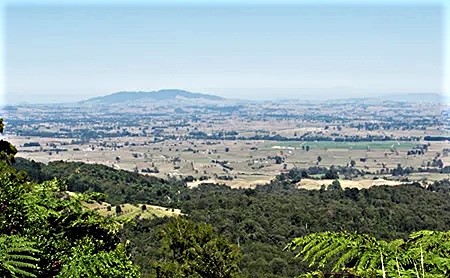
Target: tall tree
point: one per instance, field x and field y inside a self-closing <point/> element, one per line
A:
<point x="7" y="150"/>
<point x="196" y="250"/>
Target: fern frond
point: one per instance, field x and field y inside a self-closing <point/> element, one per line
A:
<point x="17" y="256"/>
<point x="365" y="259"/>
<point x="312" y="254"/>
<point x="329" y="252"/>
<point x="18" y="272"/>
<point x="333" y="253"/>
<point x="346" y="258"/>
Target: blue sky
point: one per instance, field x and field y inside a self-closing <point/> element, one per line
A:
<point x="57" y="52"/>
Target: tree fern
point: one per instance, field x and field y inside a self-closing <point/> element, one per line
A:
<point x="17" y="257"/>
<point x="341" y="250"/>
<point x="425" y="253"/>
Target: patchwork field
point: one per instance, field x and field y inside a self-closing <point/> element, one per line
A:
<point x="240" y="145"/>
<point x="247" y="163"/>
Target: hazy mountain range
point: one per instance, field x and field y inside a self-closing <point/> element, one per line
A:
<point x="171" y="95"/>
<point x="161" y="95"/>
<point x="176" y="94"/>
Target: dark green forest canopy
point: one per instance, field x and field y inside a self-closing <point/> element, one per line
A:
<point x="262" y="220"/>
<point x="120" y="186"/>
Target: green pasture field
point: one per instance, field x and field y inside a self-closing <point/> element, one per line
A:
<point x="131" y="211"/>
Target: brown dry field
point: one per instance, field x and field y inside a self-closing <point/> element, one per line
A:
<point x="360" y="184"/>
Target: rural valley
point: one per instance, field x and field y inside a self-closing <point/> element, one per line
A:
<point x="224" y="139"/>
<point x="244" y="167"/>
<point x="240" y="144"/>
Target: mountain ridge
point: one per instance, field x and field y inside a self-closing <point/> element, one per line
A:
<point x="160" y="95"/>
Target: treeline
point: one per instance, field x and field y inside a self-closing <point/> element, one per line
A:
<point x="200" y="135"/>
<point x="436" y="138"/>
<point x="83" y="134"/>
<point x="390" y="123"/>
<point x="294" y="175"/>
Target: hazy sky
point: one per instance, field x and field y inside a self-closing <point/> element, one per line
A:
<point x="70" y="52"/>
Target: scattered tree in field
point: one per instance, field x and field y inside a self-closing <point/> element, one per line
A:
<point x="319" y="159"/>
<point x="118" y="209"/>
<point x="335" y="185"/>
<point x="331" y="174"/>
<point x="278" y="159"/>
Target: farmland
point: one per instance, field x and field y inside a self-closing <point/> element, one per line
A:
<point x="241" y="145"/>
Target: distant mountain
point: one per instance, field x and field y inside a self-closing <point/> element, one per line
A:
<point x="8" y="108"/>
<point x="161" y="95"/>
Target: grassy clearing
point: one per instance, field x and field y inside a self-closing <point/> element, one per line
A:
<point x="131" y="211"/>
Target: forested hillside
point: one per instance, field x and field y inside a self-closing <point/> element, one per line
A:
<point x="262" y="221"/>
<point x="120" y="186"/>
